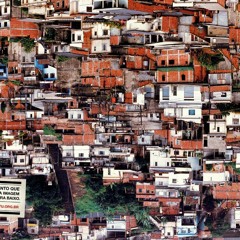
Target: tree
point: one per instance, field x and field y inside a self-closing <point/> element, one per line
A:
<point x="111" y="200"/>
<point x="46" y="200"/>
<point x="208" y="203"/>
<point x="210" y="61"/>
<point x="28" y="44"/>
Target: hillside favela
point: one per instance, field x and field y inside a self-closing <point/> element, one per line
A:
<point x="119" y="119"/>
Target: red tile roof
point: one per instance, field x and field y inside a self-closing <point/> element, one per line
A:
<point x="219" y="88"/>
<point x="227" y="191"/>
<point x="234" y="60"/>
<point x="133" y="5"/>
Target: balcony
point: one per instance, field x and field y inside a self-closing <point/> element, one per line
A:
<point x="30" y="78"/>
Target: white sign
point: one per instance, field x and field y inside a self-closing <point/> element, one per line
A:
<point x="12" y="197"/>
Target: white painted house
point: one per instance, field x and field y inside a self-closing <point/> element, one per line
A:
<point x="181" y="101"/>
<point x="75" y="151"/>
<point x="100" y="37"/>
<point x="75" y="114"/>
<point x="160" y="158"/>
<point x="83" y="6"/>
<point x="217" y="124"/>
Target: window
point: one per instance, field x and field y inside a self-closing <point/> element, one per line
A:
<point x="73" y="37"/>
<point x="21" y="160"/>
<point x="45" y="75"/>
<point x="151" y="115"/>
<point x="191" y="112"/>
<point x="163" y="62"/>
<point x="174" y="180"/>
<point x="32" y="59"/>
<point x="171" y="62"/>
<point x="174" y="90"/>
<point x="68" y="154"/>
<point x="5" y="10"/>
<point x="235" y="120"/>
<point x="89" y="9"/>
<point x="165" y="92"/>
<point x="105" y="32"/>
<point x="23" y="59"/>
<point x="3" y="219"/>
<point x="79" y="116"/>
<point x="94" y="48"/>
<point x="80" y="154"/>
<point x="176" y="152"/>
<point x="104" y="47"/>
<point x="156" y="164"/>
<point x="109" y="171"/>
<point x="205" y="142"/>
<point x="52" y="75"/>
<point x="140" y="190"/>
<point x="189" y="93"/>
<point x="5" y="24"/>
<point x="101" y="152"/>
<point x="218" y="129"/>
<point x="224" y="94"/>
<point x="79" y="38"/>
<point x="142" y="139"/>
<point x="15" y="160"/>
<point x="183" y="77"/>
<point x="58" y="4"/>
<point x="95" y="33"/>
<point x="163" y="78"/>
<point x="217" y="117"/>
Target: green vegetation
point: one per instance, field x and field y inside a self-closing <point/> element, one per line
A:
<point x="23" y="235"/>
<point x="113" y="24"/>
<point x="49" y="130"/>
<point x="225" y="108"/>
<point x="218" y="226"/>
<point x="233" y="165"/>
<point x="61" y="59"/>
<point x="25" y="10"/>
<point x="16" y="82"/>
<point x="210" y="61"/>
<point x="4" y="60"/>
<point x="209" y="167"/>
<point x="143" y="163"/>
<point x="28" y="44"/>
<point x="111" y="200"/>
<point x="50" y="34"/>
<point x="208" y="203"/>
<point x="3" y="107"/>
<point x="17" y="2"/>
<point x="46" y="200"/>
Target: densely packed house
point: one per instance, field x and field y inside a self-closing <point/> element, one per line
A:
<point x="117" y="84"/>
